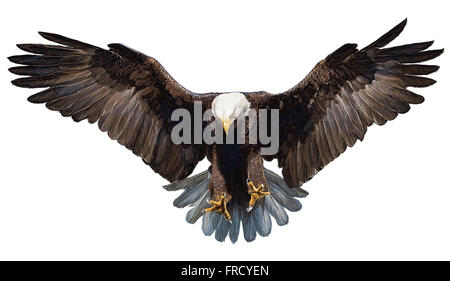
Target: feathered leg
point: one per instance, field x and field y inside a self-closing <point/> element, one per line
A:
<point x="255" y="172"/>
<point x="219" y="192"/>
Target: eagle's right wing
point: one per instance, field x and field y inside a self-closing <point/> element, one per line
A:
<point x="128" y="93"/>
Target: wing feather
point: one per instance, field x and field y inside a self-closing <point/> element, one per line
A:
<point x="128" y="93"/>
<point x="342" y="96"/>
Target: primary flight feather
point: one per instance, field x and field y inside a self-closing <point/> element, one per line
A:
<point x="132" y="97"/>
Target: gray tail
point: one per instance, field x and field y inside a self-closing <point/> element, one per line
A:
<point x="197" y="195"/>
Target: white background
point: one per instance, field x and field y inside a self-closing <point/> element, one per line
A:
<point x="68" y="192"/>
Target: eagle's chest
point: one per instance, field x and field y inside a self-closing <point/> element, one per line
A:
<point x="231" y="157"/>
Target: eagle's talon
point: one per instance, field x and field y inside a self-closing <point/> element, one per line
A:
<point x="220" y="207"/>
<point x="255" y="194"/>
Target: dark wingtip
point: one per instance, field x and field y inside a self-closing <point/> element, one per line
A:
<point x="436" y="53"/>
<point x="45" y="34"/>
<point x="36" y="98"/>
<point x="399" y="27"/>
<point x="421" y="100"/>
<point x="404" y="21"/>
<point x="12" y="58"/>
<point x="49" y="36"/>
<point x="20" y="82"/>
<point x="13" y="70"/>
<point x="388" y="36"/>
<point x="25" y="47"/>
<point x="427" y="44"/>
<point x="31" y="99"/>
<point x="66" y="41"/>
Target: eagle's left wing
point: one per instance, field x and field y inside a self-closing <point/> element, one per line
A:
<point x="344" y="94"/>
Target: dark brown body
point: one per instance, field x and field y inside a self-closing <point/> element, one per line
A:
<point x="232" y="166"/>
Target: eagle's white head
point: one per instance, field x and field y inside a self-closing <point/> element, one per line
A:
<point x="228" y="107"/>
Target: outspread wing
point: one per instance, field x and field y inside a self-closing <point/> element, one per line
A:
<point x="128" y="93"/>
<point x="344" y="94"/>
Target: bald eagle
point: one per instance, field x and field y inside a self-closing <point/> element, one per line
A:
<point x="132" y="97"/>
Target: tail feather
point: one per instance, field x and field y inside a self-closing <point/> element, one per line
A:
<point x="197" y="211"/>
<point x="249" y="227"/>
<point x="209" y="222"/>
<point x="191" y="194"/>
<point x="275" y="179"/>
<point x="262" y="220"/>
<point x="235" y="224"/>
<point x="258" y="221"/>
<point x="188" y="182"/>
<point x="276" y="210"/>
<point x="223" y="227"/>
<point x="284" y="199"/>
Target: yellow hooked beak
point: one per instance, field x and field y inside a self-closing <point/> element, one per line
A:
<point x="226" y="124"/>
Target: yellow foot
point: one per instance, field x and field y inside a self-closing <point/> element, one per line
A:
<point x="220" y="207"/>
<point x="255" y="194"/>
